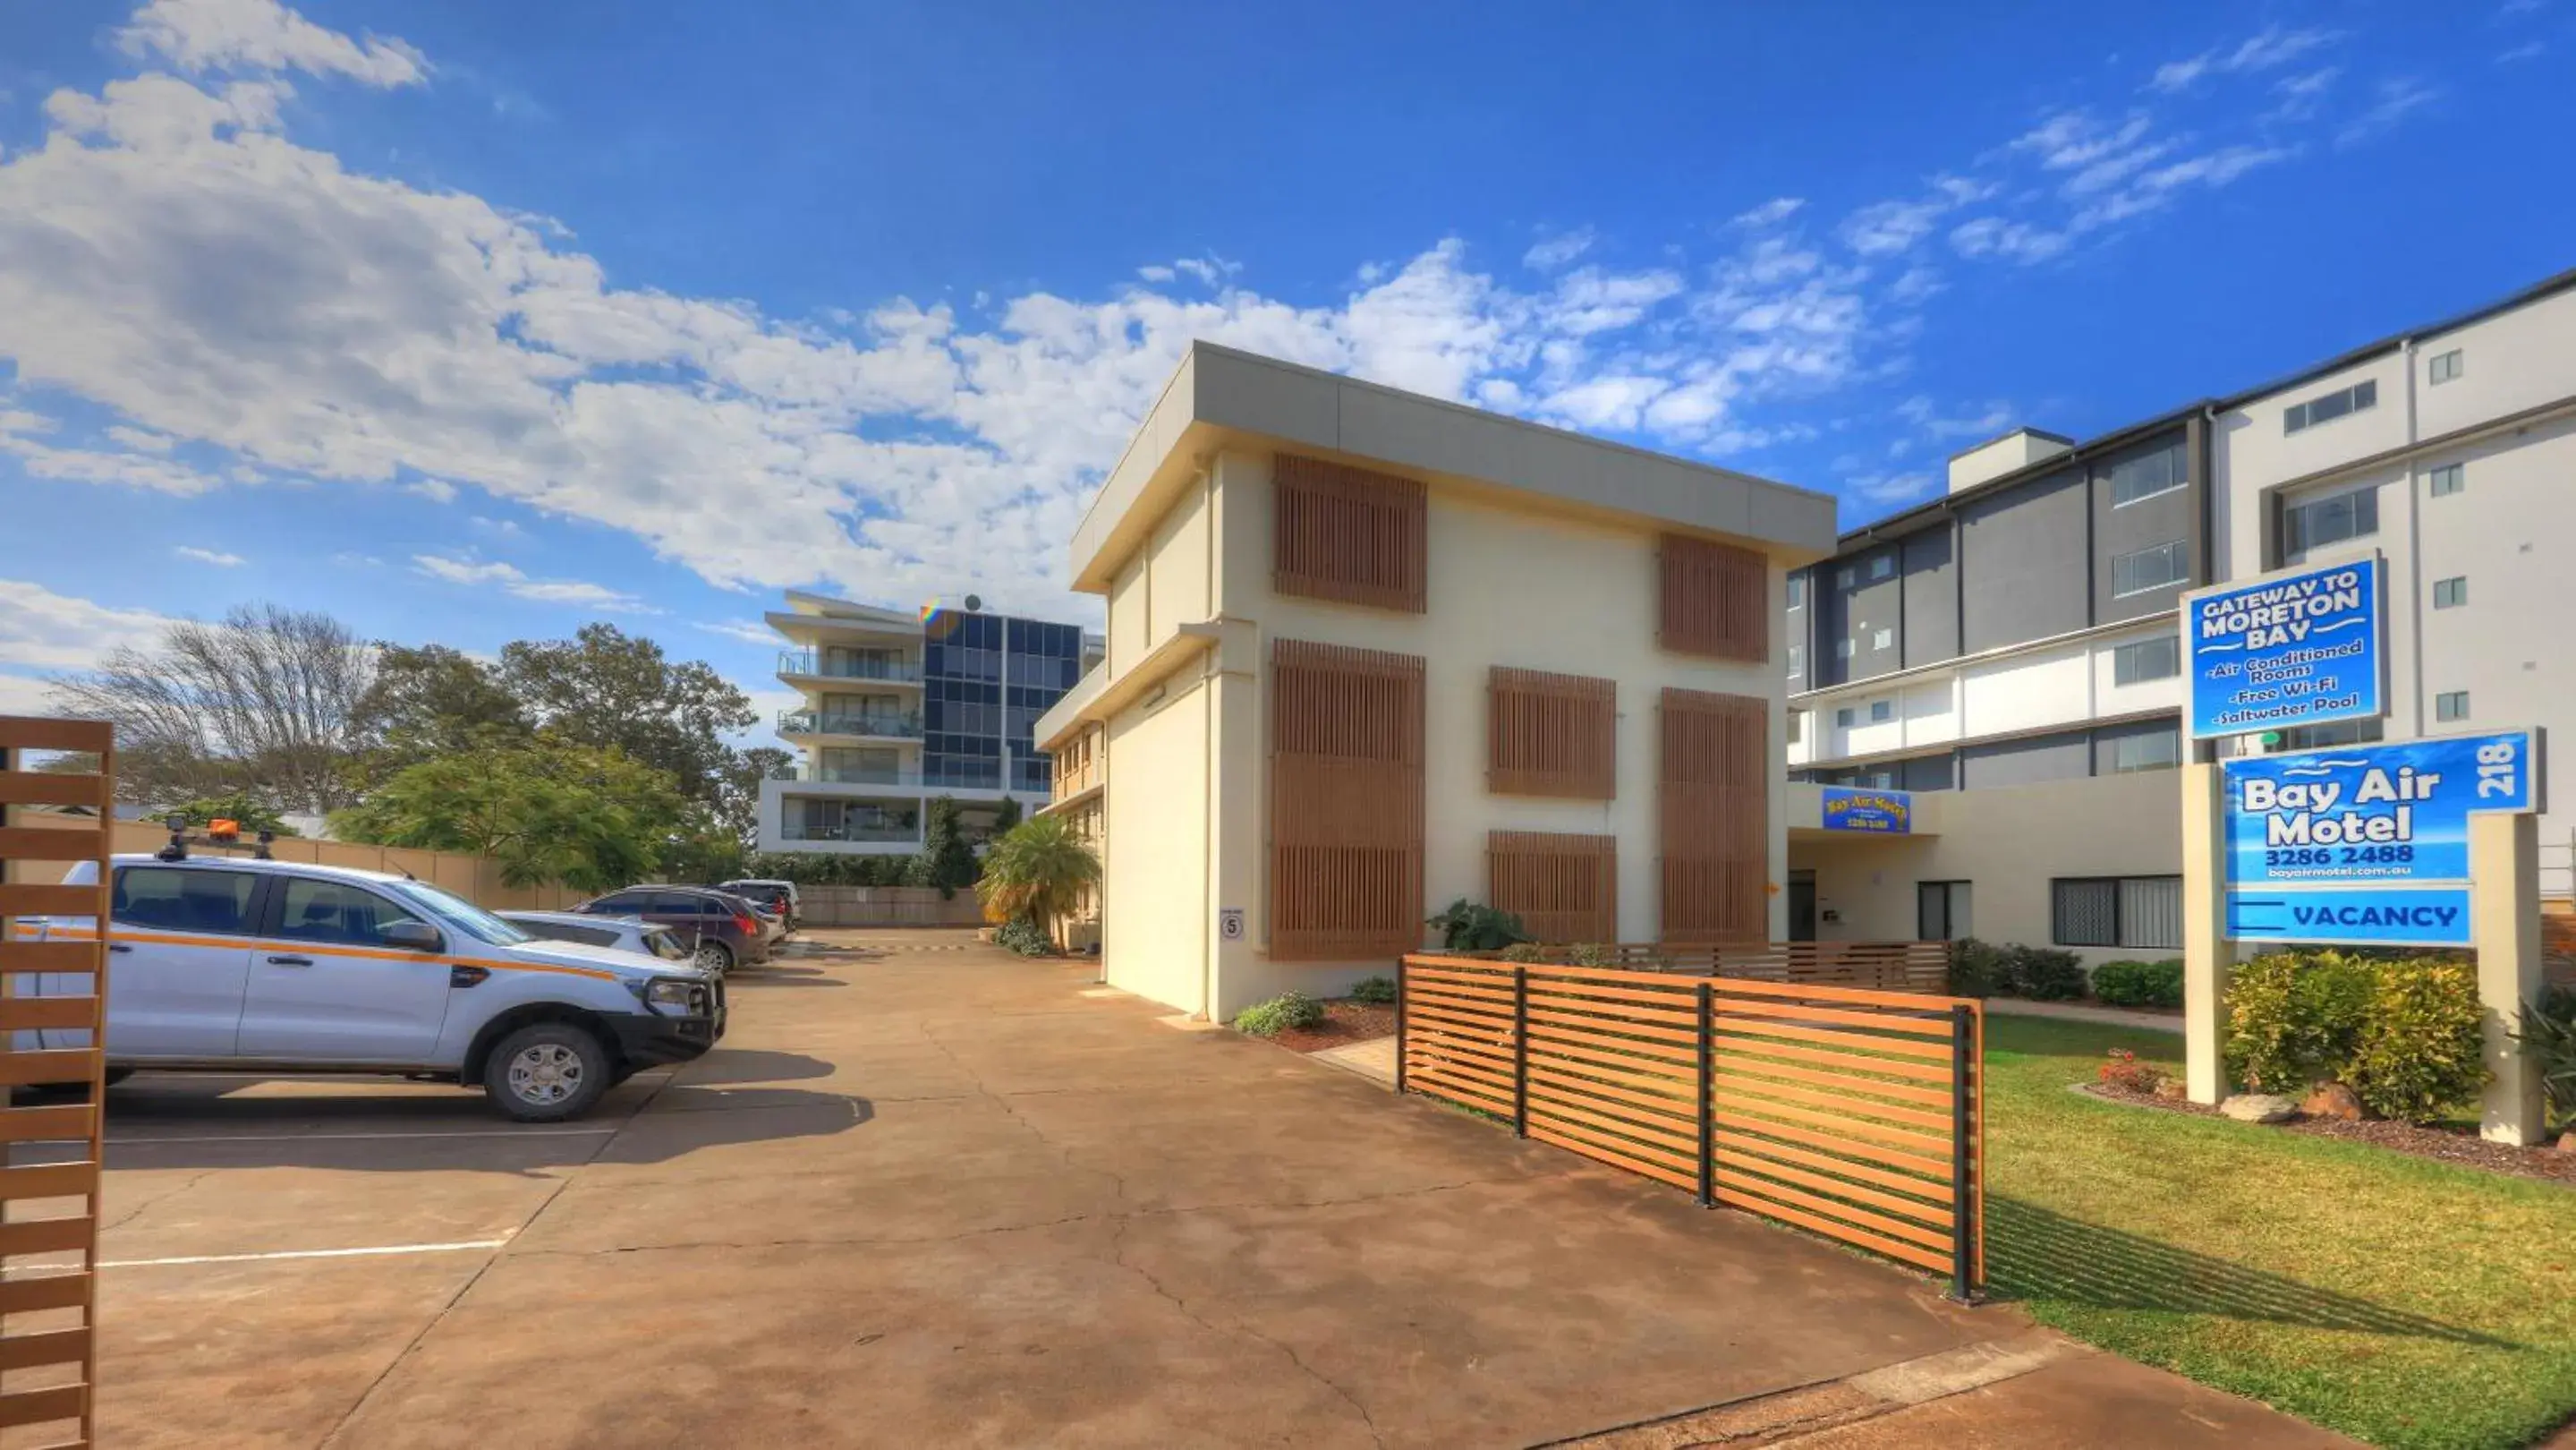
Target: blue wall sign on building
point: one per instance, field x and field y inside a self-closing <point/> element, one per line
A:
<point x="2389" y="813"/>
<point x="2421" y="916"/>
<point x="2295" y="648"/>
<point x="1881" y="812"/>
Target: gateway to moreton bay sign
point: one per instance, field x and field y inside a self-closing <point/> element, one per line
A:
<point x="1883" y="812"/>
<point x="2289" y="649"/>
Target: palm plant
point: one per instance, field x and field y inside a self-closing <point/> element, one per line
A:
<point x="1036" y="870"/>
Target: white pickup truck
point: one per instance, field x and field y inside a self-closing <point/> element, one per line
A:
<point x="251" y="965"/>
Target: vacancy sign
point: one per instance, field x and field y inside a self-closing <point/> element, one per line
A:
<point x="2288" y="649"/>
<point x="2366" y="844"/>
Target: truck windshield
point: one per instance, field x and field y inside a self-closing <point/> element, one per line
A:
<point x="462" y="914"/>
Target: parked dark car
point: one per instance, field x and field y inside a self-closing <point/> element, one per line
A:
<point x="778" y="898"/>
<point x="721" y="930"/>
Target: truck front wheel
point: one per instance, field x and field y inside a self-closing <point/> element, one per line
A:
<point x="547" y="1072"/>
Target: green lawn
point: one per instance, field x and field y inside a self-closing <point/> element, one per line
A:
<point x="2397" y="1300"/>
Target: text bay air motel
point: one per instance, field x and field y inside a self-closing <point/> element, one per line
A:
<point x="1368" y="652"/>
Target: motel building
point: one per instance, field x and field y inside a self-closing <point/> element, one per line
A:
<point x="1370" y="652"/>
<point x="2005" y="661"/>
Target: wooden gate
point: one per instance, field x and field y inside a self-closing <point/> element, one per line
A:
<point x="1851" y="1113"/>
<point x="50" y="1185"/>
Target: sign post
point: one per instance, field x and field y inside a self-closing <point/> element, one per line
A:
<point x="2420" y="843"/>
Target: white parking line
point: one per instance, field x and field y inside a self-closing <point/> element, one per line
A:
<point x="456" y="1248"/>
<point x="368" y="1137"/>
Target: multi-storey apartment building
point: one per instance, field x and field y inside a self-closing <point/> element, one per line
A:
<point x="2011" y="649"/>
<point x="899" y="708"/>
<point x="1369" y="653"/>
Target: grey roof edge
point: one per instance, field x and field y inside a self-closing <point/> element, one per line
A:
<point x="2010" y="432"/>
<point x="1906" y="520"/>
<point x="2549" y="286"/>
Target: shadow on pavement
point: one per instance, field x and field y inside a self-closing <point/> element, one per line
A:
<point x="2032" y="1252"/>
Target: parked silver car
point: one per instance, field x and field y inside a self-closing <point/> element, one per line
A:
<point x="626" y="933"/>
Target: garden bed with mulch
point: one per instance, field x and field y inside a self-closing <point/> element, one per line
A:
<point x="2459" y="1145"/>
<point x="1344" y="1023"/>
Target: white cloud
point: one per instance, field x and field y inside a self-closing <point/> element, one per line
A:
<point x="518" y="585"/>
<point x="42" y="630"/>
<point x="1770" y="213"/>
<point x="219" y="35"/>
<point x="2274" y="46"/>
<point x="2010" y="240"/>
<point x="1884" y="228"/>
<point x="1550" y="253"/>
<point x="747" y="630"/>
<point x="2397" y="99"/>
<point x="1923" y="413"/>
<point x="1886" y="489"/>
<point x="2301" y="95"/>
<point x="216" y="557"/>
<point x="1155" y="272"/>
<point x="2525" y="51"/>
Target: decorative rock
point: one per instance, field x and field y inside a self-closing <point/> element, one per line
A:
<point x="2172" y="1089"/>
<point x="2332" y="1100"/>
<point x="2259" y="1108"/>
<point x="2567" y="1141"/>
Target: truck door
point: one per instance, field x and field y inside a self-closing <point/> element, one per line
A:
<point x="324" y="987"/>
<point x="177" y="964"/>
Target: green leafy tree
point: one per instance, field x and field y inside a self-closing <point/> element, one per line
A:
<point x="1006" y="816"/>
<point x="608" y="690"/>
<point x="737" y="805"/>
<point x="1036" y="871"/>
<point x="946" y="861"/>
<point x="430" y="700"/>
<point x="549" y="811"/>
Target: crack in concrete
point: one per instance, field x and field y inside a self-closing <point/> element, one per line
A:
<point x="156" y="1200"/>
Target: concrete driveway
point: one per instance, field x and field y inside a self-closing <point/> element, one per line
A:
<point x="931" y="1196"/>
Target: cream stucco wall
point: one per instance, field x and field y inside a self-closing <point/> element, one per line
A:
<point x="1153" y="906"/>
<point x="2008" y="842"/>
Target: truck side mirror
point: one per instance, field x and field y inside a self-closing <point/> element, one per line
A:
<point x="413" y="936"/>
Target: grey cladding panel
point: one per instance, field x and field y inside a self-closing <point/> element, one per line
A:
<point x="1872" y="607"/>
<point x="2127" y="528"/>
<point x="1931" y="630"/>
<point x="2023" y="553"/>
<point x="2107" y="738"/>
<point x="2067" y="756"/>
<point x="1930" y="772"/>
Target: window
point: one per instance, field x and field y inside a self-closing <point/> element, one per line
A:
<point x="2116" y="911"/>
<point x="1797" y="726"/>
<point x="1874" y="779"/>
<point x="1884" y="639"/>
<point x="2331" y="520"/>
<point x="1844" y="578"/>
<point x="1797" y="660"/>
<point x="2450" y="593"/>
<point x="1797" y="591"/>
<point x="2330" y="406"/>
<point x="674" y="903"/>
<point x="2445" y="366"/>
<point x="1846" y="717"/>
<point x="1882" y="566"/>
<point x="1941" y="911"/>
<point x="2447" y="480"/>
<point x="1346" y="534"/>
<point x="2321" y="737"/>
<point x="2452" y="706"/>
<point x="2161" y="567"/>
<point x="1881" y="711"/>
<point x="2146" y="477"/>
<point x="179" y="899"/>
<point x="2142" y="660"/>
<point x="327" y="911"/>
<point x="2154" y="750"/>
<point x="1844" y="648"/>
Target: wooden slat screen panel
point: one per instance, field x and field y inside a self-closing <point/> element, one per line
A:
<point x="1348" y="534"/>
<point x="1716" y="600"/>
<point x="1564" y="888"/>
<point x="1850" y="1113"/>
<point x="1346" y="752"/>
<point x="1714" y="803"/>
<point x="1551" y="735"/>
<point x="1890" y="966"/>
<point x="52" y="1208"/>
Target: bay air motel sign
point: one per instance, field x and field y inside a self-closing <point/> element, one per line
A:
<point x="2428" y="843"/>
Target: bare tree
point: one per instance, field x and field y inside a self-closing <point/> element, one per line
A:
<point x="265" y="701"/>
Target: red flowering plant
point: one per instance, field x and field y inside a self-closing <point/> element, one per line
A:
<point x="2124" y="1073"/>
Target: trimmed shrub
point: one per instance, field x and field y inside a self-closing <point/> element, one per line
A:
<point x="1376" y="990"/>
<point x="1592" y="954"/>
<point x="2293" y="1018"/>
<point x="1976" y="969"/>
<point x="2045" y="974"/>
<point x="1469" y="926"/>
<point x="1024" y="936"/>
<point x="2419" y="1050"/>
<point x="1279" y="1014"/>
<point x="2124" y="1072"/>
<point x="2139" y="984"/>
<point x="1525" y="953"/>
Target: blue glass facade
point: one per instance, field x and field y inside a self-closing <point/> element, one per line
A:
<point x="985" y="681"/>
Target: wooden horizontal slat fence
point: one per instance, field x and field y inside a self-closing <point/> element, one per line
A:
<point x="1852" y="1113"/>
<point x="1887" y="966"/>
<point x="49" y="1188"/>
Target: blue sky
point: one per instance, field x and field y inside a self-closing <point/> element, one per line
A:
<point x="471" y="322"/>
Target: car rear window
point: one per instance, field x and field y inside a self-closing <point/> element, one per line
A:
<point x="184" y="900"/>
<point x="674" y="903"/>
